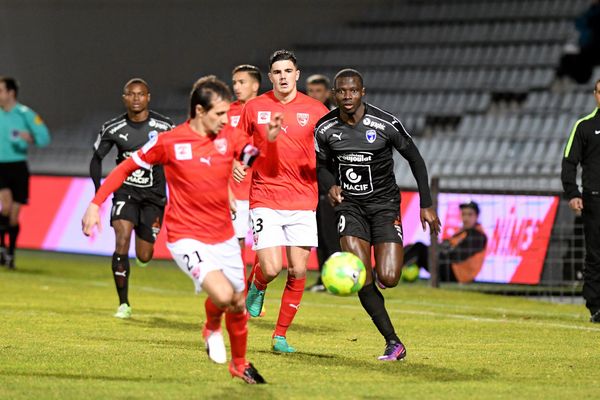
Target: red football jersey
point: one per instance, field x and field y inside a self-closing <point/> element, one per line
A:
<point x="295" y="185"/>
<point x="197" y="170"/>
<point x="241" y="190"/>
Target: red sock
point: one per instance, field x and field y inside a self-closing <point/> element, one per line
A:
<point x="213" y="315"/>
<point x="259" y="279"/>
<point x="237" y="327"/>
<point x="290" y="301"/>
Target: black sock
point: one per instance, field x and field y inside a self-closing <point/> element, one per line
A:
<point x="3" y="229"/>
<point x="372" y="301"/>
<point x="13" y="233"/>
<point x="120" y="268"/>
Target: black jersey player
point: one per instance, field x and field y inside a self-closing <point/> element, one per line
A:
<point x="139" y="204"/>
<point x="354" y="144"/>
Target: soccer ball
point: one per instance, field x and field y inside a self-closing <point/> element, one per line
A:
<point x="410" y="273"/>
<point x="343" y="274"/>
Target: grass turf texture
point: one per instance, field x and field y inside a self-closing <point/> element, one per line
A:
<point x="58" y="339"/>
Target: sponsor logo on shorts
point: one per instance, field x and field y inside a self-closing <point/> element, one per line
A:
<point x="302" y="118"/>
<point x="183" y="151"/>
<point x="356" y="179"/>
<point x="234" y="120"/>
<point x="374" y="124"/>
<point x="221" y="145"/>
<point x="356" y="157"/>
<point x="371" y="135"/>
<point x="398" y="227"/>
<point x="263" y="117"/>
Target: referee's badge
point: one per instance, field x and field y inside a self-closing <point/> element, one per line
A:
<point x="371" y="135"/>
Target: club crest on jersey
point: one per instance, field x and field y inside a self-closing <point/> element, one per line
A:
<point x="302" y="118"/>
<point x="264" y="117"/>
<point x="221" y="145"/>
<point x="371" y="135"/>
<point x="183" y="151"/>
<point x="235" y="120"/>
<point x="152" y="134"/>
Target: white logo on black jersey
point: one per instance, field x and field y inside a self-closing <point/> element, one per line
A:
<point x="373" y="124"/>
<point x="124" y="136"/>
<point x="338" y="135"/>
<point x="356" y="179"/>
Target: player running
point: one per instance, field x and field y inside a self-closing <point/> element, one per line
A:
<point x="354" y="145"/>
<point x="282" y="208"/>
<point x="139" y="204"/>
<point x="197" y="157"/>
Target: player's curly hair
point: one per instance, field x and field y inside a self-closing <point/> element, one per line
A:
<point x="205" y="91"/>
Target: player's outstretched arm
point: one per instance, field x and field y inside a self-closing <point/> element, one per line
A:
<point x="114" y="181"/>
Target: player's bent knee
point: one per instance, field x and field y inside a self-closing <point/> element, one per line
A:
<point x="389" y="280"/>
<point x="270" y="271"/>
<point x="145" y="256"/>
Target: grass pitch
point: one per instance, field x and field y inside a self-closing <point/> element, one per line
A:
<point x="58" y="340"/>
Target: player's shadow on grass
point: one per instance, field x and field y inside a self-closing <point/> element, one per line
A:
<point x="157" y="322"/>
<point x="261" y="323"/>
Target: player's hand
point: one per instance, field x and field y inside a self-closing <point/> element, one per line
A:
<point x="239" y="171"/>
<point x="430" y="217"/>
<point x="90" y="219"/>
<point x="26" y="136"/>
<point x="576" y="204"/>
<point x="335" y="195"/>
<point x="274" y="127"/>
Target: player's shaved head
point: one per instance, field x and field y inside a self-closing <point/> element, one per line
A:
<point x="253" y="71"/>
<point x="205" y="91"/>
<point x="283" y="55"/>
<point x="138" y="81"/>
<point x="348" y="73"/>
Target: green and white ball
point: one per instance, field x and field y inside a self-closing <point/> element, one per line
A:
<point x="343" y="274"/>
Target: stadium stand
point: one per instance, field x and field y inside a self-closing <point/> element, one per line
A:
<point x="473" y="81"/>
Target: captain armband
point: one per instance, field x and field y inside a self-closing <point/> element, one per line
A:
<point x="248" y="155"/>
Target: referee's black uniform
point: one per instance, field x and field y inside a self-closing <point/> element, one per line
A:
<point x="583" y="148"/>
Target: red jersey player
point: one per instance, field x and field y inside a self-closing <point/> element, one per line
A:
<point x="197" y="158"/>
<point x="282" y="208"/>
<point x="246" y="82"/>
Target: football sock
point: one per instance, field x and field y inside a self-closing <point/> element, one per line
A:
<point x="213" y="315"/>
<point x="237" y="328"/>
<point x="250" y="277"/>
<point x="372" y="301"/>
<point x="3" y="229"/>
<point x="13" y="233"/>
<point x="290" y="302"/>
<point x="259" y="279"/>
<point x="120" y="268"/>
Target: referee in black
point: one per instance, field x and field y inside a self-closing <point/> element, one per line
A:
<point x="583" y="148"/>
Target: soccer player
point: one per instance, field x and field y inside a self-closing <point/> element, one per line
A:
<point x="354" y="145"/>
<point x="139" y="204"/>
<point x="282" y="208"/>
<point x="319" y="88"/>
<point x="246" y="83"/>
<point x="20" y="128"/>
<point x="197" y="157"/>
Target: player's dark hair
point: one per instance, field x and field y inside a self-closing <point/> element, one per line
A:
<point x="138" y="81"/>
<point x="11" y="84"/>
<point x="318" y="79"/>
<point x="205" y="91"/>
<point x="253" y="71"/>
<point x="348" y="73"/>
<point x="282" y="55"/>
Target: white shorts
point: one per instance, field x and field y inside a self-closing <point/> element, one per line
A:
<point x="283" y="228"/>
<point x="241" y="219"/>
<point x="197" y="259"/>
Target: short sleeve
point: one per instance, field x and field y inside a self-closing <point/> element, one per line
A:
<point x="152" y="153"/>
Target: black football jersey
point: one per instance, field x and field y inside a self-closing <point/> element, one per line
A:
<point x="128" y="136"/>
<point x="361" y="156"/>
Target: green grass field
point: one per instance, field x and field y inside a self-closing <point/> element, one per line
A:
<point x="58" y="339"/>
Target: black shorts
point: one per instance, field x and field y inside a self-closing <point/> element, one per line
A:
<point x="15" y="176"/>
<point x="375" y="223"/>
<point x="146" y="216"/>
